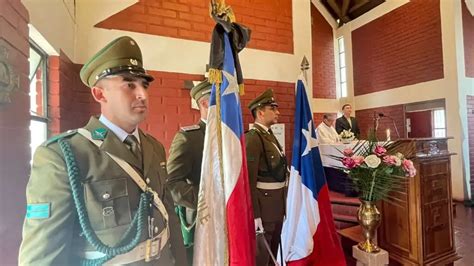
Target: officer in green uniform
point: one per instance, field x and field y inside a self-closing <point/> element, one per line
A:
<point x="184" y="166"/>
<point x="97" y="194"/>
<point x="267" y="169"/>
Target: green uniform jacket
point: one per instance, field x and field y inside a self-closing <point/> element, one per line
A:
<point x="58" y="239"/>
<point x="184" y="165"/>
<point x="262" y="147"/>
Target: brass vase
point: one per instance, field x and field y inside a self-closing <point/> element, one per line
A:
<point x="369" y="218"/>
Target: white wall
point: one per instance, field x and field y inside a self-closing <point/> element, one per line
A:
<point x="54" y="20"/>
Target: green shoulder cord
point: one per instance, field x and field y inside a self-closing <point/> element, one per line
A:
<point x="137" y="224"/>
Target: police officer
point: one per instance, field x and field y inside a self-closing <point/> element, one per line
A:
<point x="267" y="169"/>
<point x="184" y="166"/>
<point x="97" y="194"/>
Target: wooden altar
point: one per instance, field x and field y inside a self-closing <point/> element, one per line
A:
<point x="420" y="230"/>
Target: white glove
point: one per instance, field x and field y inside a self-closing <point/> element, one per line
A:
<point x="258" y="225"/>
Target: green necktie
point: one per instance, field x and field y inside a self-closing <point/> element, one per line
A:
<point x="134" y="147"/>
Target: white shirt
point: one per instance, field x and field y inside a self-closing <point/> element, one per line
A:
<point x="326" y="134"/>
<point x="262" y="126"/>
<point x="349" y="120"/>
<point x="120" y="133"/>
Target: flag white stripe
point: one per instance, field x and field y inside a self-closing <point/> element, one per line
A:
<point x="210" y="223"/>
<point x="301" y="222"/>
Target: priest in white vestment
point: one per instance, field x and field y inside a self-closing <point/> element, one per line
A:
<point x="326" y="133"/>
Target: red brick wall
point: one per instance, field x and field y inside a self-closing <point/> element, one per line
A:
<point x="14" y="131"/>
<point x="470" y="122"/>
<point x="70" y="101"/>
<point x="318" y="118"/>
<point x="366" y="121"/>
<point x="468" y="30"/>
<point x="400" y="48"/>
<point x="270" y="21"/>
<point x="170" y="103"/>
<point x="322" y="41"/>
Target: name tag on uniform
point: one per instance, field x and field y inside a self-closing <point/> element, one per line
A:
<point x="38" y="211"/>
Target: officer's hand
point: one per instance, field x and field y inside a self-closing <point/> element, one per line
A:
<point x="258" y="225"/>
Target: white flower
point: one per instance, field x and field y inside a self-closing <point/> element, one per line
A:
<point x="372" y="161"/>
<point x="346" y="134"/>
<point x="398" y="161"/>
<point x="400" y="156"/>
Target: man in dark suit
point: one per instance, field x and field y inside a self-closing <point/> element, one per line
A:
<point x="347" y="122"/>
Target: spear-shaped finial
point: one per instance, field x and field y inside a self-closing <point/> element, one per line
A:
<point x="304" y="67"/>
<point x="304" y="64"/>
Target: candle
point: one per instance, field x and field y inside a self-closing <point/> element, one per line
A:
<point x="388" y="134"/>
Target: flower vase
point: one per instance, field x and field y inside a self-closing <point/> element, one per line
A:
<point x="369" y="219"/>
<point x="346" y="141"/>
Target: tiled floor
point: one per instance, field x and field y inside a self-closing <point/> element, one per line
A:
<point x="464" y="235"/>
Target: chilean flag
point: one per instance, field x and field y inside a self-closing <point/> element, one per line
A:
<point x="308" y="236"/>
<point x="225" y="233"/>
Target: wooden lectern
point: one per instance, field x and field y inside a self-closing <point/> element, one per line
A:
<point x="419" y="231"/>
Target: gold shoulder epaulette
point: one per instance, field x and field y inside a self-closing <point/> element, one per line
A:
<point x="190" y="128"/>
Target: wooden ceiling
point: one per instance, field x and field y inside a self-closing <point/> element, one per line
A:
<point x="344" y="11"/>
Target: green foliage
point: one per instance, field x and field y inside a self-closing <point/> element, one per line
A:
<point x="378" y="175"/>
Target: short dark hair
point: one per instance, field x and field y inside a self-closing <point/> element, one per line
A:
<point x="254" y="113"/>
<point x="344" y="106"/>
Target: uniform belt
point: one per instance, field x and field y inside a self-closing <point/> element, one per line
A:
<point x="138" y="253"/>
<point x="271" y="185"/>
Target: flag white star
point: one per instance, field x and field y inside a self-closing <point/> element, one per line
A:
<point x="233" y="86"/>
<point x="310" y="141"/>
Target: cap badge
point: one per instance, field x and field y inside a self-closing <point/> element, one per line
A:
<point x="133" y="61"/>
<point x="132" y="42"/>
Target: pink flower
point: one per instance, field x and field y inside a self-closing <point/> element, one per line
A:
<point x="348" y="162"/>
<point x="380" y="150"/>
<point x="389" y="159"/>
<point x="358" y="160"/>
<point x="352" y="162"/>
<point x="348" y="152"/>
<point x="409" y="168"/>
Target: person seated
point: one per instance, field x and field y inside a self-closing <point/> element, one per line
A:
<point x="325" y="132"/>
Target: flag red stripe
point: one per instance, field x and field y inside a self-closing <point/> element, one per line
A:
<point x="240" y="221"/>
<point x="327" y="247"/>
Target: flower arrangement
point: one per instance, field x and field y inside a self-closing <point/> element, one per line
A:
<point x="346" y="136"/>
<point x="377" y="168"/>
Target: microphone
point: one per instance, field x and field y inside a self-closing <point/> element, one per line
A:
<point x="393" y="121"/>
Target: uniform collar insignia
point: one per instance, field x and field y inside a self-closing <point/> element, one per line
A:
<point x="99" y="134"/>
